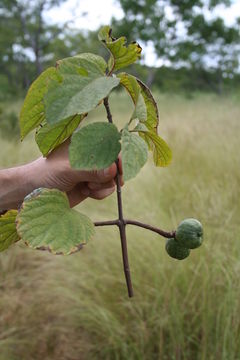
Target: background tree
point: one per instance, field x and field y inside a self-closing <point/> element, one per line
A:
<point x="25" y="37"/>
<point x="183" y="33"/>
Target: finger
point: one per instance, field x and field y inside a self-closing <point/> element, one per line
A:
<point x="99" y="186"/>
<point x="120" y="164"/>
<point x="97" y="176"/>
<point x="120" y="169"/>
<point x="79" y="193"/>
<point x="101" y="194"/>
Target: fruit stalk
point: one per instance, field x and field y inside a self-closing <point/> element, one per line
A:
<point x="121" y="223"/>
<point x="165" y="234"/>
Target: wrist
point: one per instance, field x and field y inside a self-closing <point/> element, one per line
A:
<point x="16" y="183"/>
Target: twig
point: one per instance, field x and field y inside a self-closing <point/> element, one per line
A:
<point x="165" y="234"/>
<point x="121" y="223"/>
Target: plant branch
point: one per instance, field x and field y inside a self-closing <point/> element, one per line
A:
<point x="107" y="223"/>
<point x="121" y="222"/>
<point x="165" y="234"/>
<point x="109" y="115"/>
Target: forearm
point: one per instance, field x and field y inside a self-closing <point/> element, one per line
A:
<point x="16" y="183"/>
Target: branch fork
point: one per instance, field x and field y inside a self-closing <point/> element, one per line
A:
<point x="121" y="222"/>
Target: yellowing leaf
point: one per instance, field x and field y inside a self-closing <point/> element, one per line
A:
<point x="32" y="112"/>
<point x="146" y="111"/>
<point x="48" y="137"/>
<point x="8" y="232"/>
<point x="145" y="106"/>
<point x="162" y="154"/>
<point x="122" y="55"/>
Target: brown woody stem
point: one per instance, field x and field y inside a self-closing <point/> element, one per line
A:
<point x="121" y="222"/>
<point x="165" y="234"/>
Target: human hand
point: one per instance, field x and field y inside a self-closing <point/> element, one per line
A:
<point x="56" y="172"/>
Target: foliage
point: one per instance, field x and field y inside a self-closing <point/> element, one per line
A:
<point x="58" y="100"/>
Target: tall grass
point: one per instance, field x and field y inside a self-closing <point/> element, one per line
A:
<point x="76" y="308"/>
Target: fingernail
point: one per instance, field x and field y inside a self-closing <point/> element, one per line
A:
<point x="106" y="172"/>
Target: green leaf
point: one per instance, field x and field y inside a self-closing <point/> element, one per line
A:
<point x="89" y="57"/>
<point x="122" y="55"/>
<point x="32" y="112"/>
<point x="8" y="232"/>
<point x="83" y="86"/>
<point x="162" y="154"/>
<point x="134" y="154"/>
<point x="48" y="137"/>
<point x="46" y="222"/>
<point x="95" y="146"/>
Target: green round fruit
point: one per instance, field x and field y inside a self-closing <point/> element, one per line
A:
<point x="176" y="251"/>
<point x="189" y="233"/>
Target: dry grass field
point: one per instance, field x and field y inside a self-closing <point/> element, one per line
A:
<point x="76" y="307"/>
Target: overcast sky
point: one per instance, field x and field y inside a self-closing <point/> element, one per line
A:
<point x="90" y="14"/>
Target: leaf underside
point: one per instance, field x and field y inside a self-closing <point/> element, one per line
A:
<point x="8" y="232"/>
<point x="46" y="222"/>
<point x="96" y="146"/>
<point x="83" y="85"/>
<point x="134" y="154"/>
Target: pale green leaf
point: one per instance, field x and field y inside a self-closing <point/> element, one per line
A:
<point x="32" y="112"/>
<point x="140" y="111"/>
<point x="134" y="154"/>
<point x="122" y="55"/>
<point x="89" y="57"/>
<point x="84" y="64"/>
<point x="162" y="154"/>
<point x="79" y="92"/>
<point x="140" y="127"/>
<point x="46" y="222"/>
<point x="95" y="146"/>
<point x="8" y="232"/>
<point x="48" y="137"/>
